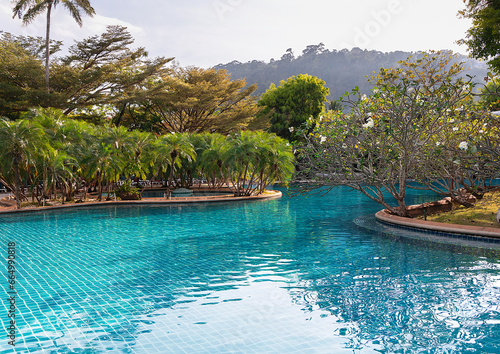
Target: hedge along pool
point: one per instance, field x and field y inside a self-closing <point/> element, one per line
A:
<point x="284" y="275"/>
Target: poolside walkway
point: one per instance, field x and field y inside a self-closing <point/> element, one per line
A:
<point x="145" y="201"/>
<point x="488" y="232"/>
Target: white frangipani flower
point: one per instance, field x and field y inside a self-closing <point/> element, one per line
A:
<point x="369" y="123"/>
<point x="463" y="145"/>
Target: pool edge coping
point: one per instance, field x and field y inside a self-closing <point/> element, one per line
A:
<point x="481" y="231"/>
<point x="148" y="201"/>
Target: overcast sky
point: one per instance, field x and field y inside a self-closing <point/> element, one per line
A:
<point x="208" y="32"/>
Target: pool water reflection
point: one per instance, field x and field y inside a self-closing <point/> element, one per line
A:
<point x="284" y="275"/>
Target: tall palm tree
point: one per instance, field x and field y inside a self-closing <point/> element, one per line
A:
<point x="28" y="10"/>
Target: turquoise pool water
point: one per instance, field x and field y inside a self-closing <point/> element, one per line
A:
<point x="196" y="193"/>
<point x="293" y="275"/>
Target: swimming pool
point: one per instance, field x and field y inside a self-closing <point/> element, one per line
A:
<point x="287" y="275"/>
<point x="196" y="193"/>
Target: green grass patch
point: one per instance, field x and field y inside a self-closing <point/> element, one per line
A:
<point x="482" y="214"/>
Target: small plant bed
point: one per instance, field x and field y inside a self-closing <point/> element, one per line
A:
<point x="482" y="214"/>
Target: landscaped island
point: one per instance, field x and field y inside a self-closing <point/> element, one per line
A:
<point x="51" y="157"/>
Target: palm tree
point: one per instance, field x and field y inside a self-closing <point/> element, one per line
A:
<point x="211" y="160"/>
<point x="159" y="155"/>
<point x="19" y="142"/>
<point x="141" y="159"/>
<point x="28" y="10"/>
<point x="240" y="159"/>
<point x="178" y="146"/>
<point x="61" y="170"/>
<point x="102" y="164"/>
<point x="278" y="164"/>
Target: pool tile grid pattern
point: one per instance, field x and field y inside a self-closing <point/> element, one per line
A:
<point x="276" y="276"/>
<point x="480" y="239"/>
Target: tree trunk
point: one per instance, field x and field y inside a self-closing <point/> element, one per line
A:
<point x="120" y="115"/>
<point x="47" y="47"/>
<point x="45" y="182"/>
<point x="171" y="178"/>
<point x="17" y="183"/>
<point x="100" y="179"/>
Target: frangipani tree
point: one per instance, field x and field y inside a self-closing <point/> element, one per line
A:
<point x="385" y="140"/>
<point x="452" y="165"/>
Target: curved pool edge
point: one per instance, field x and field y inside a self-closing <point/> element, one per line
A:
<point x="271" y="194"/>
<point x="433" y="226"/>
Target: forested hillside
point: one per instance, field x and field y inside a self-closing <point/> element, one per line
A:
<point x="341" y="70"/>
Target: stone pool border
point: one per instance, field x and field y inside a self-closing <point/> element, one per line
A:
<point x="148" y="201"/>
<point x="437" y="227"/>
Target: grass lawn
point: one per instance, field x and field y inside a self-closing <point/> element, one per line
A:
<point x="482" y="214"/>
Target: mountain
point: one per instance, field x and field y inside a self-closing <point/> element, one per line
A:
<point x="341" y="70"/>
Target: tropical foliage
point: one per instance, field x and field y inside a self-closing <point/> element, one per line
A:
<point x="49" y="156"/>
<point x="489" y="95"/>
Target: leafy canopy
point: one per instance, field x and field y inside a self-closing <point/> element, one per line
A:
<point x="197" y="100"/>
<point x="291" y="104"/>
<point x="483" y="38"/>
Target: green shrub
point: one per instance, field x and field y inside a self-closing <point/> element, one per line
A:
<point x="127" y="192"/>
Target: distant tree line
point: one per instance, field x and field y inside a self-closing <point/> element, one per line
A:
<point x="340" y="69"/>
